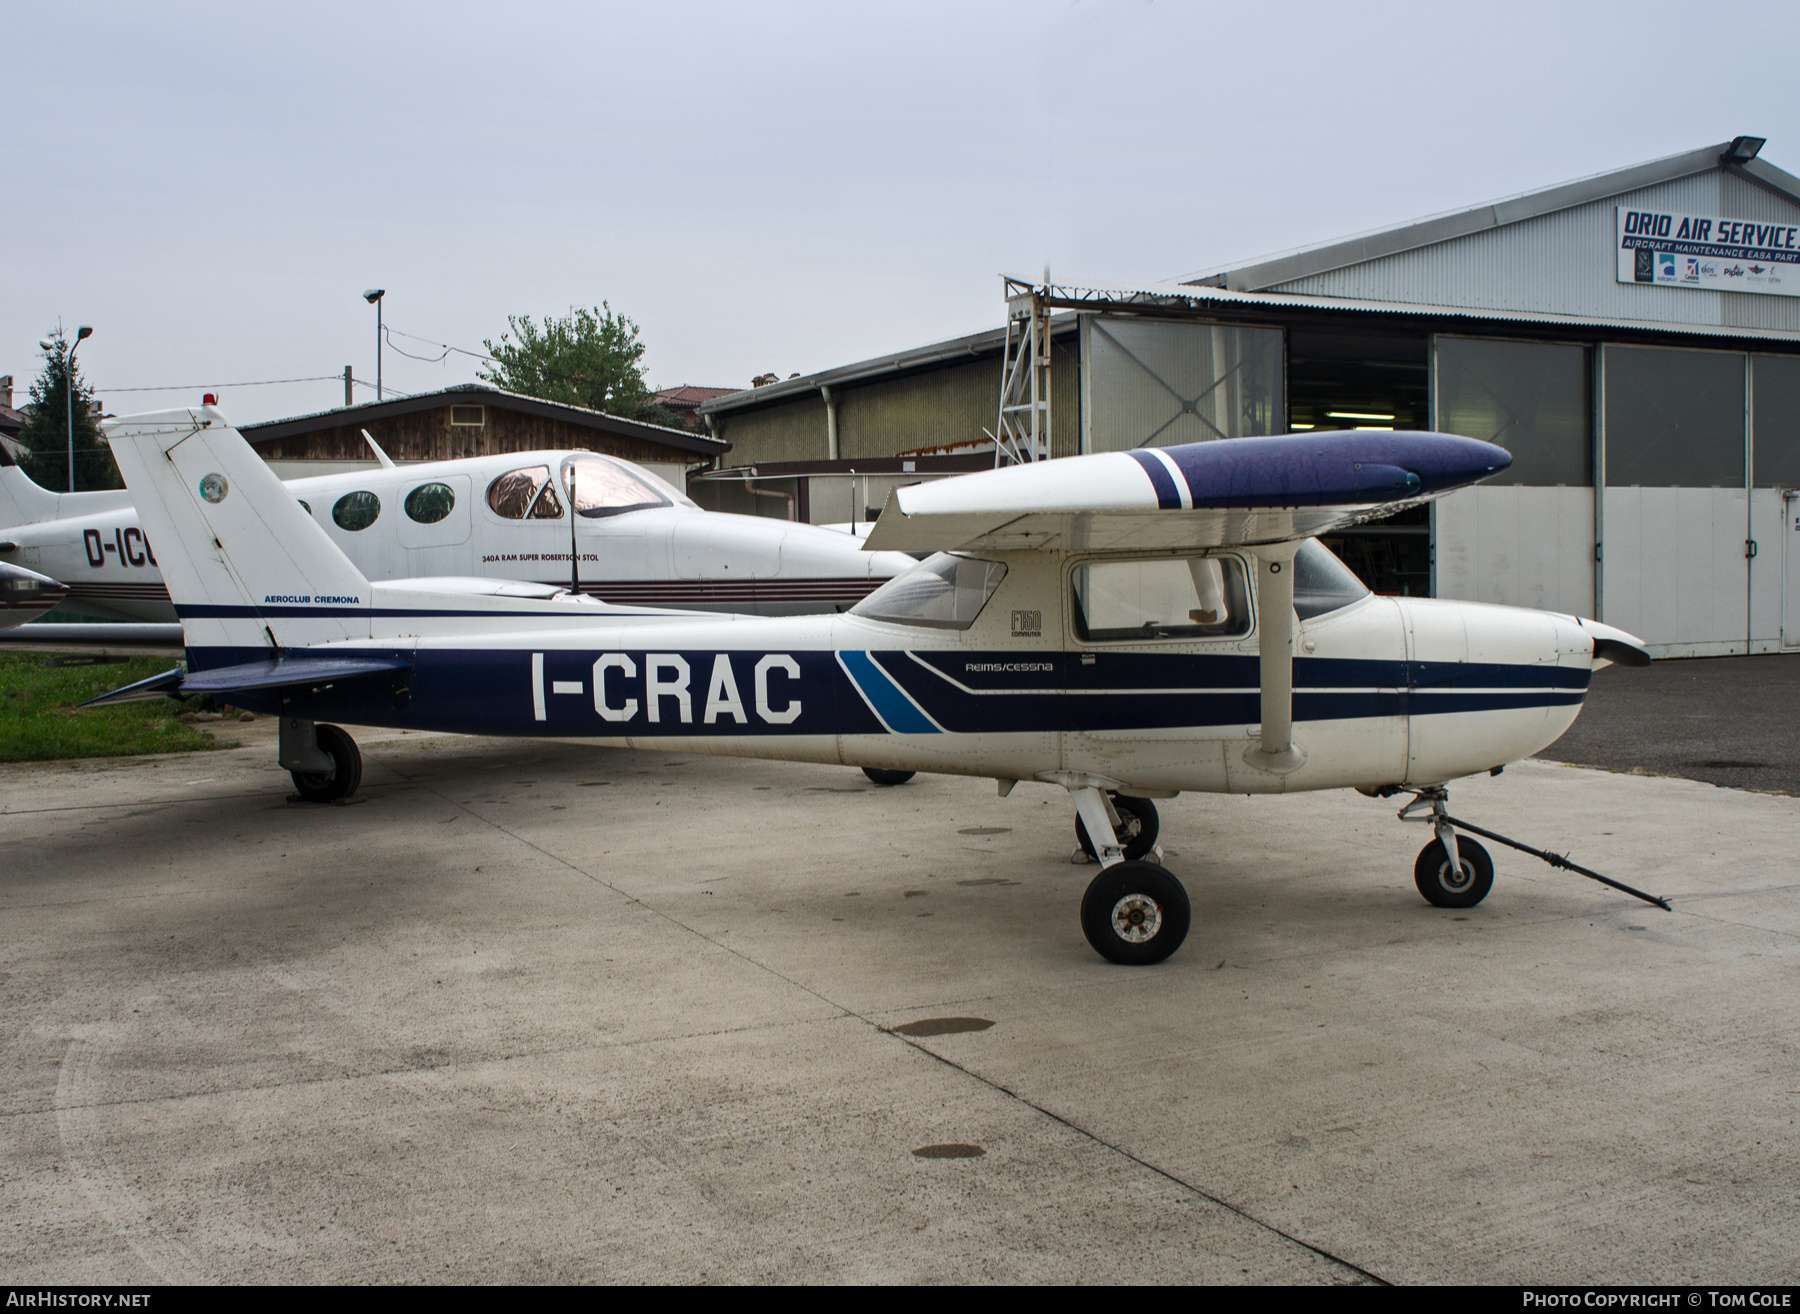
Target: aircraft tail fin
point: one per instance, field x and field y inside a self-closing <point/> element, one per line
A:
<point x="249" y="571"/>
<point x="22" y="501"/>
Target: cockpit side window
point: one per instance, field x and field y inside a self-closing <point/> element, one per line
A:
<point x="524" y="495"/>
<point x="608" y="488"/>
<point x="1322" y="583"/>
<point x="1161" y="598"/>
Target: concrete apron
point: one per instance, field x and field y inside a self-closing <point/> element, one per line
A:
<point x="535" y="1012"/>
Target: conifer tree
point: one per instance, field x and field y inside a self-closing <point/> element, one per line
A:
<point x="46" y="434"/>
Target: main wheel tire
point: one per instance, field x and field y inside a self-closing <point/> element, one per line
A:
<point x="1138" y="827"/>
<point x="1135" y="913"/>
<point x="345" y="776"/>
<point x="1447" y="889"/>
<point x="882" y="776"/>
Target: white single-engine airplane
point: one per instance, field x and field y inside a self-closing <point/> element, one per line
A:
<point x="1124" y="625"/>
<point x="639" y="539"/>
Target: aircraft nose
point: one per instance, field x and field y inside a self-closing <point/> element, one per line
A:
<point x="26" y="595"/>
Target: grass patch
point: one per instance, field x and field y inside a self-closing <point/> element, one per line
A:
<point x="38" y="722"/>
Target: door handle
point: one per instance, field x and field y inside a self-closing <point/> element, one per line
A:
<point x="1749" y="548"/>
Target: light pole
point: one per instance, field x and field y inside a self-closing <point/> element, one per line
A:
<point x="69" y="393"/>
<point x="373" y="296"/>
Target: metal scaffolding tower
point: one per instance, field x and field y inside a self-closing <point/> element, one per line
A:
<point x="1023" y="432"/>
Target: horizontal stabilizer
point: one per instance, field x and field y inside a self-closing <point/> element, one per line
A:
<point x="1237" y="490"/>
<point x="289" y="672"/>
<point x="166" y="685"/>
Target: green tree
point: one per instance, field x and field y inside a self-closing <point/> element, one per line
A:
<point x="46" y="434"/>
<point x="589" y="358"/>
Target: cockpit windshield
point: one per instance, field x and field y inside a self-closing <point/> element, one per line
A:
<point x="1322" y="583"/>
<point x="599" y="487"/>
<point x="945" y="591"/>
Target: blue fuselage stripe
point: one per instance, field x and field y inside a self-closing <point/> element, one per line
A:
<point x="854" y="692"/>
<point x="889" y="702"/>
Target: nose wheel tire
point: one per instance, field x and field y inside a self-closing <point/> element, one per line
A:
<point x="345" y="776"/>
<point x="1135" y="913"/>
<point x="1138" y="827"/>
<point x="882" y="776"/>
<point x="1458" y="889"/>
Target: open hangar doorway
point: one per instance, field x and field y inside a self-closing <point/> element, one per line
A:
<point x="1364" y="377"/>
<point x="1155" y="382"/>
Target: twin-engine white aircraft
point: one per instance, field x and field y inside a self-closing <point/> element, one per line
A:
<point x="640" y="540"/>
<point x="1125" y="626"/>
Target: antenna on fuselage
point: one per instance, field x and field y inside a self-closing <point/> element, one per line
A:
<point x="574" y="552"/>
<point x="387" y="462"/>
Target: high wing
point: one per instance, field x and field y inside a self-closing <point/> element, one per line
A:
<point x="1240" y="491"/>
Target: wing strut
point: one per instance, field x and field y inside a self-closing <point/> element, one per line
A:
<point x="1276" y="751"/>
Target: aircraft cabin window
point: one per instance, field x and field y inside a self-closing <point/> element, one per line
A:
<point x="1166" y="598"/>
<point x="1322" y="583"/>
<point x="525" y="495"/>
<point x="356" y="511"/>
<point x="944" y="591"/>
<point x="304" y="505"/>
<point x="430" y="503"/>
<point x="607" y="488"/>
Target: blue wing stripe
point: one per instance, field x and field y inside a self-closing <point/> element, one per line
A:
<point x="1167" y="498"/>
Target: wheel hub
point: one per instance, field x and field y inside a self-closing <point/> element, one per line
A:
<point x="1137" y="918"/>
<point x="1456" y="879"/>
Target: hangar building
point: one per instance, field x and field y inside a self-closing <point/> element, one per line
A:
<point x="469" y="419"/>
<point x="1632" y="338"/>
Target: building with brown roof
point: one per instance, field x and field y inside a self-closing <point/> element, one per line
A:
<point x="472" y="419"/>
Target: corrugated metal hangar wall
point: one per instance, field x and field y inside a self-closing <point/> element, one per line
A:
<point x="1651" y="407"/>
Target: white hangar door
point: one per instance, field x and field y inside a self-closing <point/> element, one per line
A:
<point x="1775" y="503"/>
<point x="1524" y="538"/>
<point x="1675" y="506"/>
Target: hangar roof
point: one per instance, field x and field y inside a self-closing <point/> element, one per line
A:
<point x="897" y="362"/>
<point x="482" y="394"/>
<point x="1304" y="262"/>
<point x="1551" y="281"/>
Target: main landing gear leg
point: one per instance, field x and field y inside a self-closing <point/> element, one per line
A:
<point x="1134" y="912"/>
<point x="322" y="759"/>
<point x="1452" y="871"/>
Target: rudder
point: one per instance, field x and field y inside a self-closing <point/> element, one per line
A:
<point x="246" y="567"/>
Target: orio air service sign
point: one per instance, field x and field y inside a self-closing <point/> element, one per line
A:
<point x="1708" y="251"/>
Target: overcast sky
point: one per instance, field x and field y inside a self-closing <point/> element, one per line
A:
<point x="779" y="187"/>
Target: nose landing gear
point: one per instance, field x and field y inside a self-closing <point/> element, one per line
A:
<point x="1134" y="912"/>
<point x="1453" y="871"/>
<point x="1462" y="885"/>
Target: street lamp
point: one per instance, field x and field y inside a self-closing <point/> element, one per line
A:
<point x="373" y="296"/>
<point x="69" y="392"/>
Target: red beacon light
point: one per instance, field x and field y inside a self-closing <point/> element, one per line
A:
<point x="211" y="399"/>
